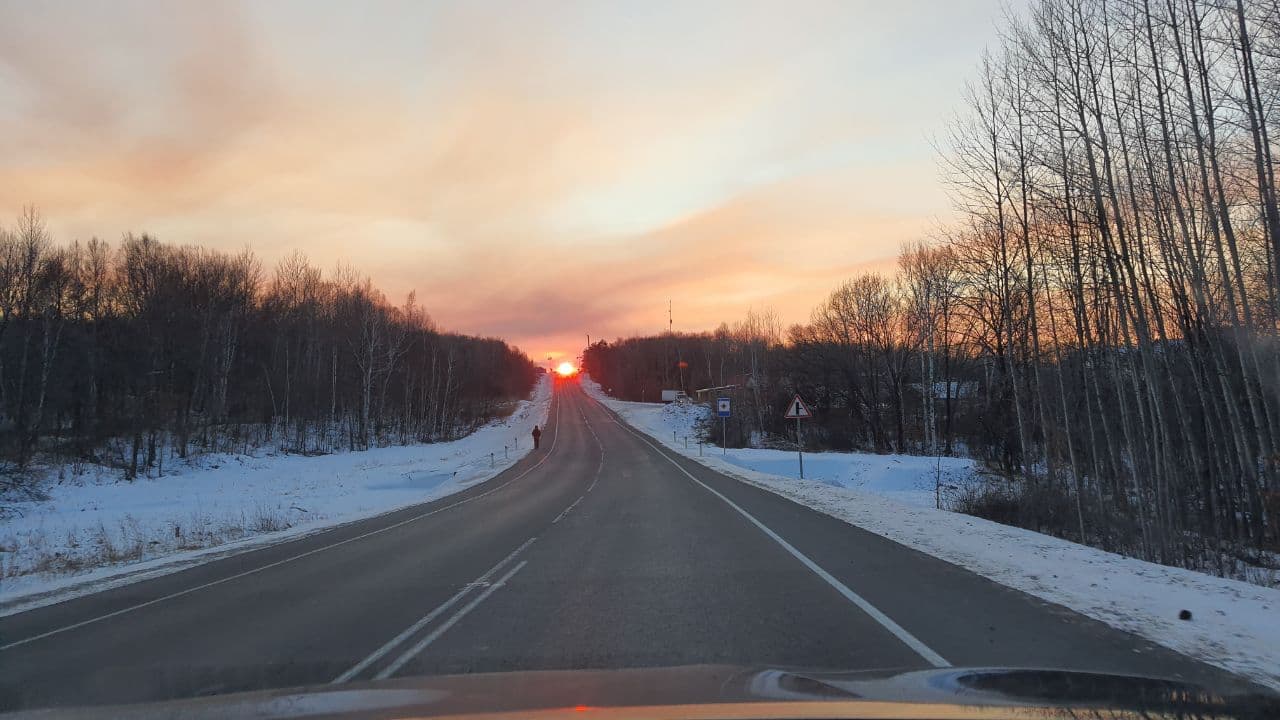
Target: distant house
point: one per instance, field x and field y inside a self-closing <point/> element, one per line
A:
<point x="959" y="389"/>
<point x="710" y="393"/>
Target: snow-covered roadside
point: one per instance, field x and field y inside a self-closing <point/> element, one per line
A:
<point x="1234" y="625"/>
<point x="89" y="536"/>
<point x="908" y="479"/>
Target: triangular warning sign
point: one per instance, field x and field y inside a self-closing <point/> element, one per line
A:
<point x="797" y="409"/>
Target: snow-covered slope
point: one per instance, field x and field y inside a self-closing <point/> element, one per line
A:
<point x="98" y="531"/>
<point x="1234" y="625"/>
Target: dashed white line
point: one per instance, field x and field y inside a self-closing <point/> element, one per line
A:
<point x="566" y="510"/>
<point x="594" y="480"/>
<point x="599" y="467"/>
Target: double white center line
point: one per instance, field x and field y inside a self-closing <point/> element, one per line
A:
<point x="481" y="582"/>
<point x="485" y="582"/>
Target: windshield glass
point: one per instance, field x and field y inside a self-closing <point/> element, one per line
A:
<point x="809" y="344"/>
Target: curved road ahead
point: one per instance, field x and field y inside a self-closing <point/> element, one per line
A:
<point x="599" y="551"/>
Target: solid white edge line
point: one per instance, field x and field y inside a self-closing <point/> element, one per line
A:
<point x="391" y="669"/>
<point x="391" y="644"/>
<point x="246" y="573"/>
<point x="862" y="603"/>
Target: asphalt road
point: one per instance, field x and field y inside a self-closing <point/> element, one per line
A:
<point x="598" y="551"/>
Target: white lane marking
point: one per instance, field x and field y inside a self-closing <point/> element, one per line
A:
<point x="391" y="669"/>
<point x="391" y="644"/>
<point x="246" y="573"/>
<point x="599" y="467"/>
<point x="863" y="604"/>
<point x="594" y="480"/>
<point x="566" y="510"/>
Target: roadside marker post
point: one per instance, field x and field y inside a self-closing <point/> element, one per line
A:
<point x="798" y="410"/>
<point x="724" y="409"/>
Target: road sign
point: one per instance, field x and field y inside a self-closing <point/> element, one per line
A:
<point x="722" y="407"/>
<point x="797" y="410"/>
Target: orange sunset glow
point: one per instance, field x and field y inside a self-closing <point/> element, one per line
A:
<point x="534" y="171"/>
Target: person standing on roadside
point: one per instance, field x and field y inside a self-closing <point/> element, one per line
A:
<point x="537" y="437"/>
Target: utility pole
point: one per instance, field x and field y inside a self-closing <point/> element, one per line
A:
<point x="666" y="360"/>
<point x="800" y="447"/>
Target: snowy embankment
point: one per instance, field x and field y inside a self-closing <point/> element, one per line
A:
<point x="1234" y="625"/>
<point x="93" y="534"/>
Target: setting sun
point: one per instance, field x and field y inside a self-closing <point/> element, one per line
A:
<point x="565" y="369"/>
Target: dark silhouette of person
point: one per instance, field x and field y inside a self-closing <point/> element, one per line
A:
<point x="537" y="437"/>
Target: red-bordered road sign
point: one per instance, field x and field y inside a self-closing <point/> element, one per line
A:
<point x="797" y="410"/>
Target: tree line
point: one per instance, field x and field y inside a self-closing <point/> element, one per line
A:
<point x="1103" y="322"/>
<point x="130" y="355"/>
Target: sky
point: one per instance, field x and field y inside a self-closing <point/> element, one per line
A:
<point x="536" y="170"/>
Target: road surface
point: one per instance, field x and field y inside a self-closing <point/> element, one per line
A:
<point x="600" y="550"/>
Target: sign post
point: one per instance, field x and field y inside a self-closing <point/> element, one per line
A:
<point x="798" y="410"/>
<point x="723" y="405"/>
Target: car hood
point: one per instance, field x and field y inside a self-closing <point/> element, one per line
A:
<point x="722" y="692"/>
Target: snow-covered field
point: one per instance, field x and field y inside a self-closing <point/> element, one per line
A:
<point x="89" y="534"/>
<point x="1235" y="625"/>
<point x="908" y="479"/>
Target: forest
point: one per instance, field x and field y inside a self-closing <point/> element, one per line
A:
<point x="1100" y="325"/>
<point x="144" y="353"/>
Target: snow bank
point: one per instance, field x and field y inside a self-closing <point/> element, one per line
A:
<point x="908" y="479"/>
<point x="233" y="501"/>
<point x="1235" y="625"/>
